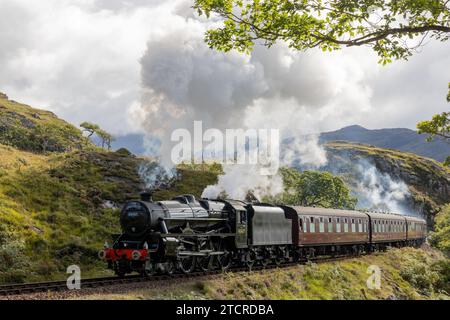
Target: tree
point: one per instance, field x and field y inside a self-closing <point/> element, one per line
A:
<point x="90" y="128"/>
<point x="314" y="188"/>
<point x="107" y="138"/>
<point x="387" y="26"/>
<point x="93" y="129"/>
<point x="48" y="137"/>
<point x="439" y="126"/>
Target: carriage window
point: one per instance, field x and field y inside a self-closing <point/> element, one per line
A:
<point x="338" y="225"/>
<point x="312" y="226"/>
<point x="300" y="225"/>
<point x="330" y="225"/>
<point x="353" y="226"/>
<point x="322" y="225"/>
<point x="360" y="226"/>
<point x="345" y="225"/>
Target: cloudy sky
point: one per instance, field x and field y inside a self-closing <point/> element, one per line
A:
<point x="141" y="65"/>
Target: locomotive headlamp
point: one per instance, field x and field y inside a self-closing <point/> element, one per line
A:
<point x="136" y="255"/>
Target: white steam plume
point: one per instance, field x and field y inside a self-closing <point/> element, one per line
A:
<point x="184" y="81"/>
<point x="239" y="180"/>
<point x="379" y="191"/>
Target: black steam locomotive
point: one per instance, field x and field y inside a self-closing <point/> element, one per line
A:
<point x="186" y="234"/>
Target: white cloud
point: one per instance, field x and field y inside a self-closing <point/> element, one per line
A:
<point x="81" y="59"/>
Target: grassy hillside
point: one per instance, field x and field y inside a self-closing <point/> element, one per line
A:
<point x="405" y="274"/>
<point x="59" y="209"/>
<point x="404" y="140"/>
<point x="31" y="129"/>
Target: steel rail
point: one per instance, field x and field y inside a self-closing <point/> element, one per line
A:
<point x="61" y="286"/>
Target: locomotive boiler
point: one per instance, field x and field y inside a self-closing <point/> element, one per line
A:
<point x="187" y="234"/>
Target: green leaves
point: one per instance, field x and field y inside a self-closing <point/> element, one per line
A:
<point x="438" y="126"/>
<point x="393" y="29"/>
<point x="314" y="188"/>
<point x="91" y="129"/>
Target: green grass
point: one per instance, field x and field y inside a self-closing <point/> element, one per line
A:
<point x="52" y="208"/>
<point x="405" y="274"/>
<point x="31" y="129"/>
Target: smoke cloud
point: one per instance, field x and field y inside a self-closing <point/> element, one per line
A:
<point x="379" y="191"/>
<point x="184" y="81"/>
<point x="239" y="180"/>
<point x="375" y="190"/>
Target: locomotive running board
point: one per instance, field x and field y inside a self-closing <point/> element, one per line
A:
<point x="195" y="219"/>
<point x="204" y="253"/>
<point x="196" y="235"/>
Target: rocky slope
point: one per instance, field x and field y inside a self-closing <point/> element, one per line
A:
<point x="427" y="181"/>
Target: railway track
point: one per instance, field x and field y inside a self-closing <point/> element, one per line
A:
<point x="61" y="286"/>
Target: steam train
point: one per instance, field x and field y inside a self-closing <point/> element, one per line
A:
<point x="186" y="234"/>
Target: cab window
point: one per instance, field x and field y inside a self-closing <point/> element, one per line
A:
<point x="243" y="217"/>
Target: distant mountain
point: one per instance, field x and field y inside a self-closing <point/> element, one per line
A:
<point x="405" y="140"/>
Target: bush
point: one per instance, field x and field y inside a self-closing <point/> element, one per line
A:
<point x="442" y="267"/>
<point x="440" y="238"/>
<point x="13" y="261"/>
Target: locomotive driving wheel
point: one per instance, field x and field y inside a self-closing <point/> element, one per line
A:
<point x="224" y="260"/>
<point x="187" y="264"/>
<point x="206" y="262"/>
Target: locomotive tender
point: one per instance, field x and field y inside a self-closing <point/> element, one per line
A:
<point x="186" y="234"/>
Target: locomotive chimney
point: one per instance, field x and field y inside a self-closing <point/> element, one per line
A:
<point x="147" y="196"/>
